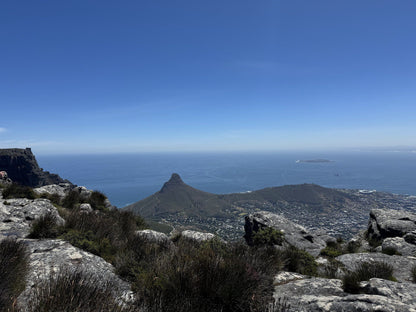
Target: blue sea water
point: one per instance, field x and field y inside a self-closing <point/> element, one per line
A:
<point x="127" y="178"/>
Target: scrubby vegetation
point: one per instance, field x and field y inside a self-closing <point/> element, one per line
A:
<point x="74" y="292"/>
<point x="391" y="251"/>
<point x="300" y="261"/>
<point x="44" y="227"/>
<point x="268" y="236"/>
<point x="413" y="274"/>
<point x="365" y="271"/>
<point x="18" y="191"/>
<point x="104" y="233"/>
<point x="212" y="276"/>
<point x="13" y="268"/>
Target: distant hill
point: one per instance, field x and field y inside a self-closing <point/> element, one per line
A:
<point x="338" y="212"/>
<point x="178" y="198"/>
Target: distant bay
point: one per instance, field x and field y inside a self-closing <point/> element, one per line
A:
<point x="127" y="178"/>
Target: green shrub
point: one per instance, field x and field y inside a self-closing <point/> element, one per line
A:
<point x="71" y="200"/>
<point x="74" y="292"/>
<point x="353" y="246"/>
<point x="44" y="227"/>
<point x="331" y="252"/>
<point x="332" y="268"/>
<point x="97" y="200"/>
<point x="18" y="191"/>
<point x="104" y="233"/>
<point x="363" y="272"/>
<point x="300" y="261"/>
<point x="14" y="260"/>
<point x="267" y="236"/>
<point x="211" y="276"/>
<point x="391" y="251"/>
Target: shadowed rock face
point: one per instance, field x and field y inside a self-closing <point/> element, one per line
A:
<point x="22" y="167"/>
<point x="386" y="223"/>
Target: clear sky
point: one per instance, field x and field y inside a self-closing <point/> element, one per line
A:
<point x="161" y="75"/>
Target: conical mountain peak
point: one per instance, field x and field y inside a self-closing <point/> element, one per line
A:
<point x="175" y="180"/>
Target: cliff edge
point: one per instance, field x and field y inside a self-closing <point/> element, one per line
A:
<point x="21" y="167"/>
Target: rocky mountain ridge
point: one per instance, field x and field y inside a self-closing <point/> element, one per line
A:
<point x="21" y="167"/>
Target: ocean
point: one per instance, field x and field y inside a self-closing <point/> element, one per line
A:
<point x="127" y="178"/>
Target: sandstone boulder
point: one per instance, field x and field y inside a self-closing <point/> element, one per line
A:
<point x="196" y="236"/>
<point x="294" y="234"/>
<point x="402" y="265"/>
<point x="302" y="293"/>
<point x="385" y="223"/>
<point x="16" y="215"/>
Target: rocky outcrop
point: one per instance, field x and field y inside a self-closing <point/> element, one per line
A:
<point x="60" y="190"/>
<point x="51" y="255"/>
<point x="21" y="166"/>
<point x="4" y="178"/>
<point x="307" y="294"/>
<point x="16" y="215"/>
<point x="294" y="234"/>
<point x="386" y="223"/>
<point x="402" y="265"/>
<point x="398" y="245"/>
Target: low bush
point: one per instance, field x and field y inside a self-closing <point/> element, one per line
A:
<point x="44" y="227"/>
<point x="268" y="236"/>
<point x="14" y="260"/>
<point x="300" y="261"/>
<point x="77" y="291"/>
<point x="18" y="191"/>
<point x="71" y="200"/>
<point x="353" y="246"/>
<point x="211" y="276"/>
<point x="331" y="252"/>
<point x="104" y="233"/>
<point x="363" y="272"/>
<point x="97" y="200"/>
<point x="391" y="251"/>
<point x="413" y="273"/>
<point x="332" y="268"/>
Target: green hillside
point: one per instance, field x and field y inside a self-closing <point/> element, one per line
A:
<point x="180" y="199"/>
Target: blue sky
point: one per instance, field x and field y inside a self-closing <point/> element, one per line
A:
<point x="137" y="76"/>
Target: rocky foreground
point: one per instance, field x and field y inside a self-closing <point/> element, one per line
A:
<point x="390" y="238"/>
<point x="392" y="231"/>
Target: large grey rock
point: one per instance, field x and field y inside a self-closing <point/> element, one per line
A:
<point x="400" y="245"/>
<point x="385" y="223"/>
<point x="154" y="237"/>
<point x="50" y="256"/>
<point x="294" y="234"/>
<point x="54" y="189"/>
<point x="402" y="265"/>
<point x="16" y="215"/>
<point x="320" y="294"/>
<point x="196" y="236"/>
<point x="86" y="208"/>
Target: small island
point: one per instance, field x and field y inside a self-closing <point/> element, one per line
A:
<point x="313" y="161"/>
